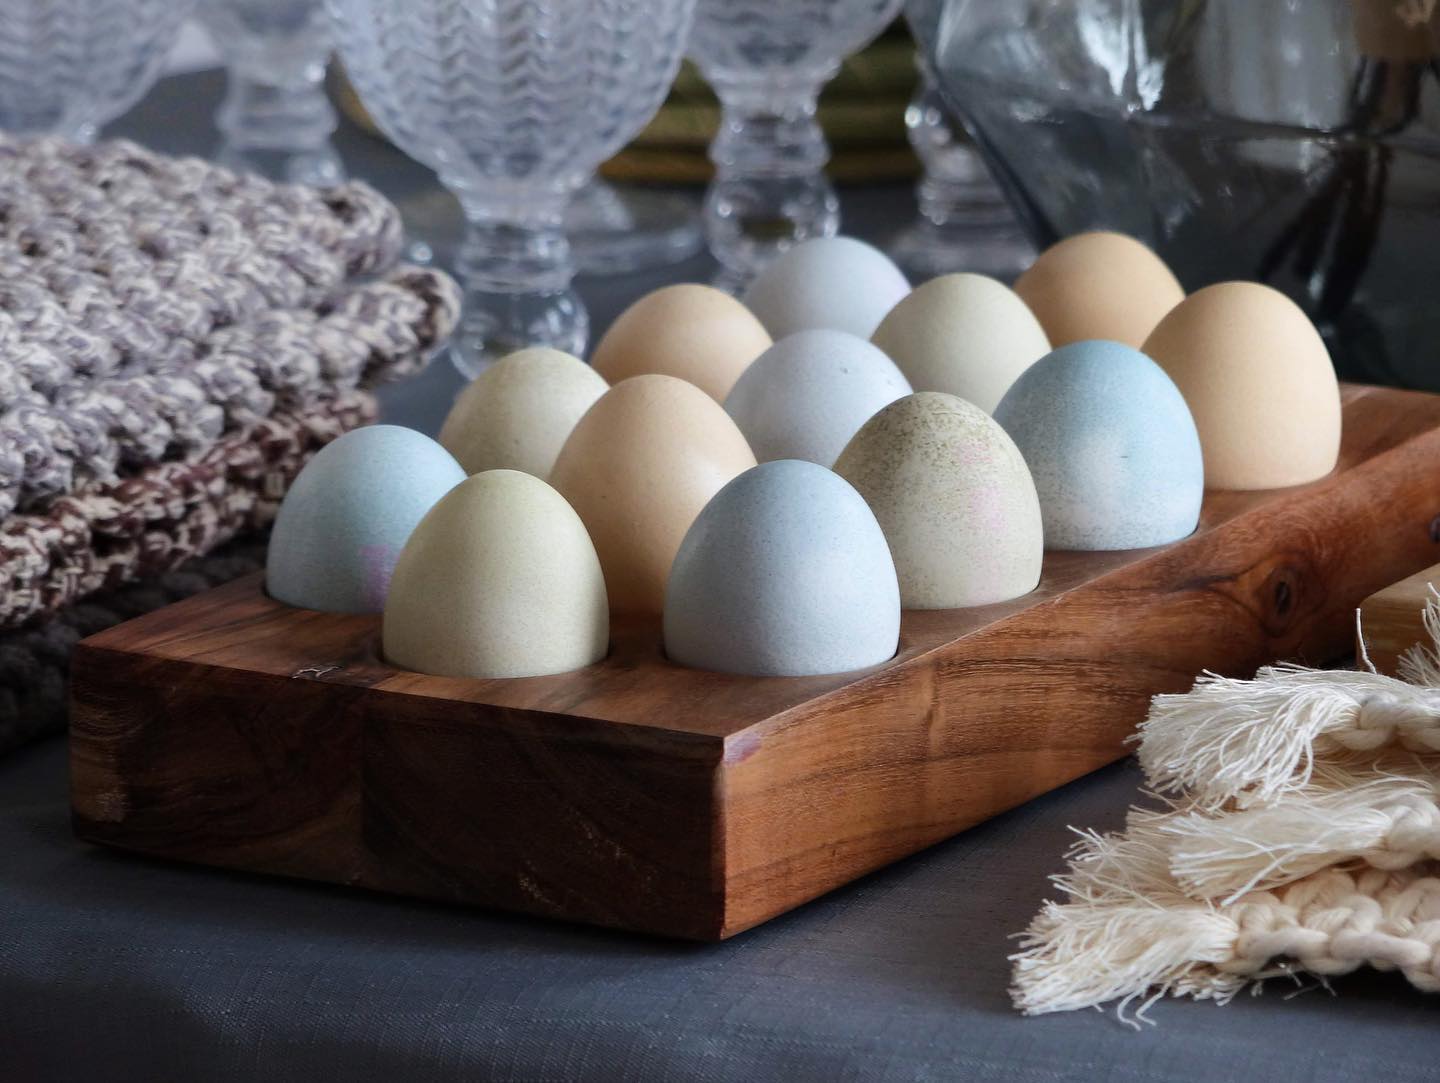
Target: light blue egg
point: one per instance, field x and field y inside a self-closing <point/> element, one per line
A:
<point x="1111" y="445"/>
<point x="348" y="515"/>
<point x="784" y="573"/>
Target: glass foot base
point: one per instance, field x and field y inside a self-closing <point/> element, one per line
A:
<point x="495" y="325"/>
<point x="925" y="249"/>
<point x="615" y="231"/>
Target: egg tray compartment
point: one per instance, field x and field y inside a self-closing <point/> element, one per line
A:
<point x="231" y="730"/>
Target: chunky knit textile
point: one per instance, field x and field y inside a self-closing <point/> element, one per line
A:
<point x="1301" y="833"/>
<point x="109" y="533"/>
<point x="149" y="305"/>
<point x="35" y="660"/>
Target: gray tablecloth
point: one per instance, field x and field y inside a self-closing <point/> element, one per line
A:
<point x="117" y="968"/>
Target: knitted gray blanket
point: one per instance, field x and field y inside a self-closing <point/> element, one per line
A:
<point x="149" y="305"/>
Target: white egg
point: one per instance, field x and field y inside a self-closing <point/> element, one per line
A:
<point x="805" y="396"/>
<point x="833" y="282"/>
<point x="500" y="579"/>
<point x="518" y="413"/>
<point x="965" y="335"/>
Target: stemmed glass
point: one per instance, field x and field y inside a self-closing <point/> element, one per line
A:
<point x="68" y="70"/>
<point x="276" y="120"/>
<point x="513" y="103"/>
<point x="615" y="230"/>
<point x="767" y="61"/>
<point x="964" y="221"/>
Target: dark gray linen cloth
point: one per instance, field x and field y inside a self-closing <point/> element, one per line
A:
<point x="118" y="968"/>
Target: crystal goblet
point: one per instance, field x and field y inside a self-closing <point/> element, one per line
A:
<point x="767" y="61"/>
<point x="66" y="69"/>
<point x="614" y="230"/>
<point x="513" y="103"/>
<point x="275" y="120"/>
<point x="964" y="223"/>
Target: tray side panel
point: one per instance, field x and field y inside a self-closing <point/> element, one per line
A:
<point x="215" y="765"/>
<point x="874" y="772"/>
<point x="543" y="814"/>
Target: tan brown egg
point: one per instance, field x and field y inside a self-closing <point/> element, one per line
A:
<point x="693" y="332"/>
<point x="1099" y="286"/>
<point x="1259" y="382"/>
<point x="638" y="469"/>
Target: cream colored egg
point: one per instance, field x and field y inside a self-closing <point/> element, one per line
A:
<point x="965" y="335"/>
<point x="955" y="499"/>
<point x="638" y="468"/>
<point x="696" y="333"/>
<point x="1259" y="382"/>
<point x="518" y="413"/>
<point x="1099" y="285"/>
<point x="498" y="580"/>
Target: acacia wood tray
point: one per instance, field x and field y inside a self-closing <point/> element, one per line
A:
<point x="231" y="730"/>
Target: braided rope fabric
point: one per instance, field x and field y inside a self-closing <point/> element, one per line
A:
<point x="1301" y="833"/>
<point x="150" y="305"/>
<point x="110" y="533"/>
<point x="35" y="660"/>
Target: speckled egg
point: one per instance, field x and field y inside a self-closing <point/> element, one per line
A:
<point x="964" y="334"/>
<point x="1259" y="381"/>
<point x="805" y="396"/>
<point x="346" y="517"/>
<point x="518" y="413"/>
<point x="955" y="499"/>
<point x="785" y="573"/>
<point x="830" y="282"/>
<point x="1111" y="445"/>
<point x="1099" y="285"/>
<point x="638" y="468"/>
<point x="695" y="333"/>
<point x="498" y="580"/>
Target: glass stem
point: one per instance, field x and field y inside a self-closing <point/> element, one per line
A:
<point x="280" y="127"/>
<point x="517" y="278"/>
<point x="770" y="190"/>
<point x="955" y="187"/>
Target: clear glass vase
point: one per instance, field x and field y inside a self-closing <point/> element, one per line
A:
<point x="514" y="103"/>
<point x="275" y="120"/>
<point x="66" y="69"/>
<point x="964" y="223"/>
<point x="767" y="61"/>
<point x="1296" y="144"/>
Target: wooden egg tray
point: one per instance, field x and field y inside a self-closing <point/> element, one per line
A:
<point x="231" y="730"/>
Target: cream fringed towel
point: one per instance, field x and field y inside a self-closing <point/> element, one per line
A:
<point x="1301" y="833"/>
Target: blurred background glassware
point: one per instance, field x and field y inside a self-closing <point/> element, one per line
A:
<point x="964" y="222"/>
<point x="513" y="103"/>
<point x="615" y="230"/>
<point x="69" y="66"/>
<point x="767" y="61"/>
<point x="275" y="119"/>
<point x="1293" y="143"/>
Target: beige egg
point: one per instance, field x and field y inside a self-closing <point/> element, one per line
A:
<point x="498" y="580"/>
<point x="1259" y="382"/>
<point x="693" y="332"/>
<point x="965" y="335"/>
<point x="518" y="413"/>
<point x="638" y="468"/>
<point x="1099" y="286"/>
<point x="955" y="499"/>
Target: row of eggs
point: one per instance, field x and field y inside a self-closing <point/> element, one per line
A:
<point x="917" y="449"/>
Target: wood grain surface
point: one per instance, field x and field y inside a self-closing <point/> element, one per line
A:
<point x="1393" y="620"/>
<point x="232" y="730"/>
